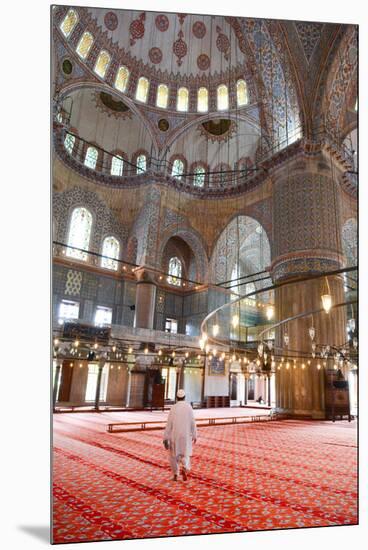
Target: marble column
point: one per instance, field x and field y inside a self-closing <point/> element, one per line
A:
<point x="145" y="301"/>
<point x="306" y="241"/>
<point x="56" y="383"/>
<point x="101" y="365"/>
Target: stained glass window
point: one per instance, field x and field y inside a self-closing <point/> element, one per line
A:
<point x="103" y="316"/>
<point x="102" y="63"/>
<point x="175" y="270"/>
<point x="162" y="96"/>
<point x="222" y="98"/>
<point x="117" y="166"/>
<point x="121" y="80"/>
<point x="79" y="233"/>
<point x="202" y="100"/>
<point x="91" y="158"/>
<point x="69" y="22"/>
<point x="199" y="176"/>
<point x="69" y="143"/>
<point x="177" y="169"/>
<point x="141" y="164"/>
<point x="182" y="99"/>
<point x="241" y="93"/>
<point x="110" y="251"/>
<point x="142" y="89"/>
<point x="84" y="45"/>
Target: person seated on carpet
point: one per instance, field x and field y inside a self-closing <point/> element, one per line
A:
<point x="260" y="400"/>
<point x="180" y="432"/>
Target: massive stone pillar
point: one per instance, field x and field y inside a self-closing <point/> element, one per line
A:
<point x="145" y="300"/>
<point x="306" y="241"/>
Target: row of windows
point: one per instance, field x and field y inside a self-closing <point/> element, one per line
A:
<point x="141" y="94"/>
<point x="117" y="163"/>
<point x="78" y="244"/>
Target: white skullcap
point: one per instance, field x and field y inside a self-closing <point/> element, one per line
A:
<point x="180" y="394"/>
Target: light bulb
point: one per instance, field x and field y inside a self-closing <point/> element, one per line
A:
<point x="286" y="339"/>
<point x="160" y="351"/>
<point x="187" y="355"/>
<point x="146" y="350"/>
<point x="312" y="332"/>
<point x="114" y="349"/>
<point x="326" y="302"/>
<point x="130" y="350"/>
<point x="233" y="357"/>
<point x="173" y="354"/>
<point x="56" y="341"/>
<point x="95" y="345"/>
<point x="76" y="343"/>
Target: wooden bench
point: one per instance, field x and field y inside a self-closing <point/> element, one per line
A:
<point x="118" y="427"/>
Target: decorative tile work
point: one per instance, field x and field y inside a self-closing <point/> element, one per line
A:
<point x="309" y="35"/>
<point x="111" y="20"/>
<point x="104" y="222"/>
<point x="73" y="282"/>
<point x="350" y="241"/>
<point x="137" y="29"/>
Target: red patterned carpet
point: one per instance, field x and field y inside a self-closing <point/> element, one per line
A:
<point x="248" y="477"/>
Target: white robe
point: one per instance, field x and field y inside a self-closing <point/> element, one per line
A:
<point x="180" y="429"/>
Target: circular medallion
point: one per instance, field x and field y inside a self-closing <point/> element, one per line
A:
<point x="136" y="30"/>
<point x="222" y="43"/>
<point x="67" y="67"/>
<point x="199" y="29"/>
<point x="155" y="55"/>
<point x="163" y="124"/>
<point x="111" y="20"/>
<point x="203" y="62"/>
<point x="162" y="22"/>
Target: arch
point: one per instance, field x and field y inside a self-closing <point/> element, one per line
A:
<point x="69" y="22"/>
<point x="199" y="269"/>
<point x="244" y="240"/>
<point x="84" y="45"/>
<point x="69" y="143"/>
<point x="182" y="100"/>
<point x="162" y="96"/>
<point x="122" y="78"/>
<point x="175" y="271"/>
<point x="80" y="228"/>
<point x="222" y="97"/>
<point x="202" y="100"/>
<point x="141" y="93"/>
<point x="241" y="93"/>
<point x="110" y="252"/>
<point x="102" y="63"/>
<point x="90" y="159"/>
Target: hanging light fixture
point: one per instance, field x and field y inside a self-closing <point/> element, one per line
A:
<point x="326" y="302"/>
<point x="351" y="325"/>
<point x="215" y="330"/>
<point x="95" y="345"/>
<point x="286" y="339"/>
<point x="186" y="354"/>
<point x="146" y="350"/>
<point x="269" y="344"/>
<point x="312" y="332"/>
<point x="270" y="312"/>
<point x="114" y="348"/>
<point x="56" y="341"/>
<point x="260" y="349"/>
<point x="130" y="350"/>
<point x="160" y="351"/>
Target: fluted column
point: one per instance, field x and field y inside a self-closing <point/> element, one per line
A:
<point x="306" y="241"/>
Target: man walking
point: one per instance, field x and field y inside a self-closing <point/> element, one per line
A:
<point x="179" y="434"/>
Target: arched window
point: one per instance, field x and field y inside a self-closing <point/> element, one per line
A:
<point x="242" y="93"/>
<point x="222" y="98"/>
<point x="162" y="96"/>
<point x="69" y="22"/>
<point x="199" y="176"/>
<point x="141" y="164"/>
<point x="102" y="63"/>
<point x="91" y="158"/>
<point x="69" y="143"/>
<point x="175" y="270"/>
<point x="202" y="100"/>
<point x="117" y="166"/>
<point x="177" y="169"/>
<point x="110" y="253"/>
<point x="84" y="45"/>
<point x="79" y="233"/>
<point x="142" y="89"/>
<point x="182" y="99"/>
<point x="121" y="80"/>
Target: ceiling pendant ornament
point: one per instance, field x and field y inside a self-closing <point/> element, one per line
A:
<point x="180" y="48"/>
<point x="162" y="22"/>
<point x="155" y="55"/>
<point x="223" y="43"/>
<point x="111" y="20"/>
<point x="137" y="29"/>
<point x="203" y="62"/>
<point x="199" y="29"/>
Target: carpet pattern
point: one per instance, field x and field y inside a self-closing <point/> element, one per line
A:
<point x="248" y="477"/>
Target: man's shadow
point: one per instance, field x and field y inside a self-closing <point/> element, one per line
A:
<point x="41" y="532"/>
